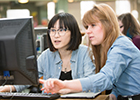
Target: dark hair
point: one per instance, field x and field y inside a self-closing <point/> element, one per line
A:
<point x="129" y="21"/>
<point x="68" y="21"/>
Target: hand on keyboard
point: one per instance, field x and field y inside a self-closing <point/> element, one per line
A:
<point x="7" y="88"/>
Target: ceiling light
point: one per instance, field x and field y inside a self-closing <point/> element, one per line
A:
<point x="23" y="1"/>
<point x="70" y="0"/>
<point x="55" y="1"/>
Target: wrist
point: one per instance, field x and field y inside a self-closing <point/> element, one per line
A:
<point x="10" y="88"/>
<point x="64" y="84"/>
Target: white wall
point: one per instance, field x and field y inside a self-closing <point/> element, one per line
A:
<point x="74" y="9"/>
<point x="17" y="13"/>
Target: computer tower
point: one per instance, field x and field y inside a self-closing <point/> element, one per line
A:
<point x="41" y="39"/>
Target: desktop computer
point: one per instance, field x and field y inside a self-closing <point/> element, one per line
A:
<point x="18" y="63"/>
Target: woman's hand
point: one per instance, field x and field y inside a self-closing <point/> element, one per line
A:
<point x="65" y="91"/>
<point x="52" y="85"/>
<point x="7" y="88"/>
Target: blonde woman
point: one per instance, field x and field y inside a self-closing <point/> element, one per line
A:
<point x="117" y="59"/>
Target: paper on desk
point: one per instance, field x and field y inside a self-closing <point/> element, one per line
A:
<point x="81" y="95"/>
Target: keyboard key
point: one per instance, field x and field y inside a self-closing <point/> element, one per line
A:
<point x="6" y="95"/>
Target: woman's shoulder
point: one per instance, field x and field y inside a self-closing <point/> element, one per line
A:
<point x="82" y="48"/>
<point x="137" y="37"/>
<point x="123" y="41"/>
<point x="46" y="52"/>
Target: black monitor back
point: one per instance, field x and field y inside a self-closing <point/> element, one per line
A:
<point x="17" y="51"/>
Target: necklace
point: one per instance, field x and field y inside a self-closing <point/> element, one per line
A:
<point x="66" y="67"/>
<point x="65" y="70"/>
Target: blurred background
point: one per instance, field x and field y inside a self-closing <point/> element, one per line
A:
<point x="43" y="10"/>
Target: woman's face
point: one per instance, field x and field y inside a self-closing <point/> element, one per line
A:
<point x="95" y="33"/>
<point x="121" y="26"/>
<point x="58" y="41"/>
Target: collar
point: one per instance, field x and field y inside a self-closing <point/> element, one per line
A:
<point x="58" y="59"/>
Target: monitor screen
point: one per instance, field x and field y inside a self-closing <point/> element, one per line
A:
<point x="18" y="51"/>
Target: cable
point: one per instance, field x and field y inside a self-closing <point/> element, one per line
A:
<point x="4" y="82"/>
<point x="11" y="97"/>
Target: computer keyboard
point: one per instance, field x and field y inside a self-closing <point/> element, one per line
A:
<point x="34" y="96"/>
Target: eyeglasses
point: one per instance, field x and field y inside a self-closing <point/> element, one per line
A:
<point x="121" y="26"/>
<point x="60" y="31"/>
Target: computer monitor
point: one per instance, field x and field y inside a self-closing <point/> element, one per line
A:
<point x="18" y="51"/>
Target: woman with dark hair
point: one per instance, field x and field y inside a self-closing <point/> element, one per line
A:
<point x="130" y="27"/>
<point x="65" y="59"/>
<point x="117" y="59"/>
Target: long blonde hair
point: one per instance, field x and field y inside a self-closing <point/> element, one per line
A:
<point x="108" y="19"/>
